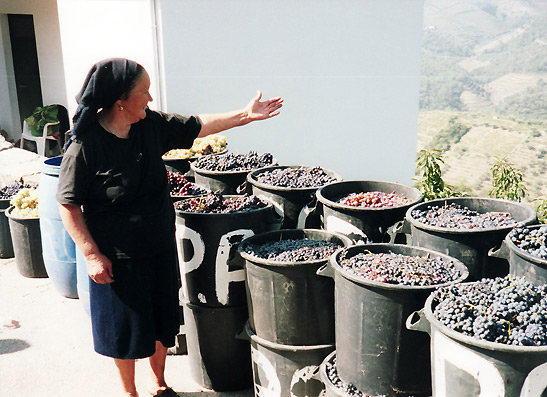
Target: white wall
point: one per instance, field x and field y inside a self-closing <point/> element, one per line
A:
<point x="48" y="45"/>
<point x="92" y="30"/>
<point x="347" y="69"/>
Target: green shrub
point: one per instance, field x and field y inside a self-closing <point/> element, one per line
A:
<point x="507" y="182"/>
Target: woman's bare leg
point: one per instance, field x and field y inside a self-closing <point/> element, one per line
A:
<point x="157" y="364"/>
<point x="126" y="369"/>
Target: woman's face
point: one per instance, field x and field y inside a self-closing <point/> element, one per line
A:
<point x="134" y="106"/>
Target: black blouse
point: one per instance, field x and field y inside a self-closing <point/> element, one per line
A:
<point x="122" y="184"/>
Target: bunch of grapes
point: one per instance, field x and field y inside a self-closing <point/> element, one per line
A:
<point x="234" y="162"/>
<point x="180" y="186"/>
<point x="215" y="203"/>
<point x="296" y="178"/>
<point x="7" y="192"/>
<point x="400" y="269"/>
<point x="374" y="200"/>
<point x="292" y="250"/>
<point x="454" y="216"/>
<point x="201" y="146"/>
<point x="25" y="203"/>
<point x="508" y="310"/>
<point x="533" y="241"/>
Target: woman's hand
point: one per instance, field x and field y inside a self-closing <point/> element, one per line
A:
<point x="99" y="268"/>
<point x="257" y="110"/>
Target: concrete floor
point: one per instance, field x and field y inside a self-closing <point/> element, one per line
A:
<point x="46" y="347"/>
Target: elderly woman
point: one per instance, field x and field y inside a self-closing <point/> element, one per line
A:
<point x="114" y="201"/>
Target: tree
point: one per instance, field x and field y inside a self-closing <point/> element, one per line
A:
<point x="507" y="181"/>
<point x="541" y="209"/>
<point x="430" y="182"/>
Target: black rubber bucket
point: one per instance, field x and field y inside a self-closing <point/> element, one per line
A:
<point x="375" y="351"/>
<point x="521" y="263"/>
<point x="466" y="366"/>
<point x="470" y="246"/>
<point x="286" y="370"/>
<point x="292" y="203"/>
<point x="6" y="245"/>
<point x="27" y="244"/>
<point x="372" y="225"/>
<point x="331" y="390"/>
<point x="182" y="166"/>
<point x="225" y="182"/>
<point x="210" y="271"/>
<point x="58" y="249"/>
<point x="288" y="302"/>
<point x="218" y="360"/>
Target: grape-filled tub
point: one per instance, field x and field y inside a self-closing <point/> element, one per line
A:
<point x="206" y="245"/>
<point x="465" y="365"/>
<point x="526" y="258"/>
<point x="291" y="188"/>
<point x="469" y="244"/>
<point x="364" y="223"/>
<point x="375" y="352"/>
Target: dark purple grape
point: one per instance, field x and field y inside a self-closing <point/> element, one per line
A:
<point x="8" y="191"/>
<point x="508" y="310"/>
<point x="180" y="186"/>
<point x="234" y="162"/>
<point x="292" y="250"/>
<point x="400" y="269"/>
<point x="454" y="216"/>
<point x="531" y="240"/>
<point x="215" y="203"/>
<point x="297" y="178"/>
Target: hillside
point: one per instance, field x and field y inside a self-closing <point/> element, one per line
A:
<point x="483" y="91"/>
<point x="468" y="161"/>
<point x="486" y="56"/>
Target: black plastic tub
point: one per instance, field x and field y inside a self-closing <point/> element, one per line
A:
<point x="286" y="370"/>
<point x="211" y="274"/>
<point x="467" y="366"/>
<point x="218" y="360"/>
<point x="6" y="245"/>
<point x="470" y="246"/>
<point x="371" y="225"/>
<point x="225" y="182"/>
<point x="331" y="390"/>
<point x="182" y="166"/>
<point x="27" y="244"/>
<point x="292" y="203"/>
<point x="288" y="302"/>
<point x="375" y="352"/>
<point x="521" y="263"/>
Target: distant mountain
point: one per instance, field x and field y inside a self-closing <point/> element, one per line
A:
<point x="485" y="56"/>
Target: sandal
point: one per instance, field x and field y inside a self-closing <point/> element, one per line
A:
<point x="169" y="392"/>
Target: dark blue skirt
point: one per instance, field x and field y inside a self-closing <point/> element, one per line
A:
<point x="139" y="308"/>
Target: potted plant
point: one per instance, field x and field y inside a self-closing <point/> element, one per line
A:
<point x="40" y="117"/>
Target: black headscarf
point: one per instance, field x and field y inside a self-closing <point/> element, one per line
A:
<point x="105" y="83"/>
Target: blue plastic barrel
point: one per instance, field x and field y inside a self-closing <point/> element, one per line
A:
<point x="58" y="249"/>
